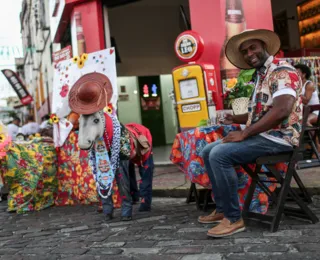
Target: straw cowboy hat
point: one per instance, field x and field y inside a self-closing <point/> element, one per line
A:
<point x="91" y="93"/>
<point x="270" y="38"/>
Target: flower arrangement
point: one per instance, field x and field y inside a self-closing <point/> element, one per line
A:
<point x="54" y="119"/>
<point x="239" y="87"/>
<point x="110" y="109"/>
<point x="80" y="60"/>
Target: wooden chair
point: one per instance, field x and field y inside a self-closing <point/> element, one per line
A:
<point x="311" y="135"/>
<point x="201" y="199"/>
<point x="303" y="211"/>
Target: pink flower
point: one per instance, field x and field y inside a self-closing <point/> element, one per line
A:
<point x="39" y="157"/>
<point x="64" y="90"/>
<point x="22" y="163"/>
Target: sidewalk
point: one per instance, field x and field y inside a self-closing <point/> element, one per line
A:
<point x="170" y="181"/>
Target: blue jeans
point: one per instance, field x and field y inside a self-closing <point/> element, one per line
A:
<point x="146" y="174"/>
<point x="122" y="178"/>
<point x="220" y="159"/>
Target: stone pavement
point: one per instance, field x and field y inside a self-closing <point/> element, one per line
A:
<point x="169" y="232"/>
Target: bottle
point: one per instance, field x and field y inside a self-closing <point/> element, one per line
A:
<point x="211" y="109"/>
<point x="81" y="41"/>
<point x="235" y="23"/>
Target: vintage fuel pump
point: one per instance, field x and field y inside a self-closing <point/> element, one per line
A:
<point x="195" y="86"/>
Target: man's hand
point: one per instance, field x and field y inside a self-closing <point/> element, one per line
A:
<point x="234" y="136"/>
<point x="227" y="120"/>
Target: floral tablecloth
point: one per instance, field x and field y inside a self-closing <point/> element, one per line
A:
<point x="186" y="154"/>
<point x="29" y="170"/>
<point x="75" y="178"/>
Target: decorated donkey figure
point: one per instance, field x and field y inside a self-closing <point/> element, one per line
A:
<point x="134" y="142"/>
<point x="111" y="144"/>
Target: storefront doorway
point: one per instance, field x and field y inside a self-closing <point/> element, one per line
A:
<point x="144" y="42"/>
<point x="151" y="108"/>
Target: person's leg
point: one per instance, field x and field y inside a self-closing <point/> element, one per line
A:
<point x="312" y="119"/>
<point x="205" y="156"/>
<point x="134" y="191"/>
<point x="146" y="174"/>
<point x="122" y="178"/>
<point x="217" y="215"/>
<point x="223" y="158"/>
<point x="107" y="207"/>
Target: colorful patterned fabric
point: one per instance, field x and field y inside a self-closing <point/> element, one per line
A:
<point x="101" y="167"/>
<point x="186" y="151"/>
<point x="137" y="130"/>
<point x="279" y="75"/>
<point x="125" y="145"/>
<point x="30" y="173"/>
<point x="76" y="182"/>
<point x="124" y="137"/>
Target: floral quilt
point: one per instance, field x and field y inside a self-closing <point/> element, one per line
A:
<point x="29" y="170"/>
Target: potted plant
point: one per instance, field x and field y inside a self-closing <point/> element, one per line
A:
<point x="239" y="90"/>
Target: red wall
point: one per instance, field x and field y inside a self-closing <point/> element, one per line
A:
<point x="208" y="17"/>
<point x="92" y="22"/>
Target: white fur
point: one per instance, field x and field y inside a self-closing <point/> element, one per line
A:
<point x="91" y="127"/>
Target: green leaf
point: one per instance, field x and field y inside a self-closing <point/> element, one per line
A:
<point x="202" y="122"/>
<point x="25" y="156"/>
<point x="240" y="81"/>
<point x="246" y="75"/>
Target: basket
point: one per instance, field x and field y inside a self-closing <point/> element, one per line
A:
<point x="240" y="105"/>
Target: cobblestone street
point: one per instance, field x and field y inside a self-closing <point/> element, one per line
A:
<point x="169" y="232"/>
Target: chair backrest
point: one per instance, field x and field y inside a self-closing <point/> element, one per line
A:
<point x="297" y="151"/>
<point x="307" y="110"/>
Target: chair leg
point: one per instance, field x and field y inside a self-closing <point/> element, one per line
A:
<point x="189" y="196"/>
<point x="313" y="144"/>
<point x="206" y="200"/>
<point x="285" y="187"/>
<point x="302" y="187"/>
<point x="193" y="190"/>
<point x="304" y="208"/>
<point x="196" y="197"/>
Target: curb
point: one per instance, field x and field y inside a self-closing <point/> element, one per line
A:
<point x="183" y="192"/>
<point x="164" y="164"/>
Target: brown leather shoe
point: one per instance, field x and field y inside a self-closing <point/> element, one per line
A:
<point x="214" y="217"/>
<point x="226" y="228"/>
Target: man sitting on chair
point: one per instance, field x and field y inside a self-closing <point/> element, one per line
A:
<point x="273" y="124"/>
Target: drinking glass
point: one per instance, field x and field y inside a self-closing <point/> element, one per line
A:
<point x="221" y="114"/>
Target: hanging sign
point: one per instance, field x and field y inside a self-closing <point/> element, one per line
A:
<point x="189" y="46"/>
<point x="63" y="54"/>
<point x="18" y="86"/>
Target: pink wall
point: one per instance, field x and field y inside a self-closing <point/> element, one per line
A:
<point x="208" y="17"/>
<point x="92" y="22"/>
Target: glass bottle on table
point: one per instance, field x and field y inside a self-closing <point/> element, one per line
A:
<point x="234" y="24"/>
